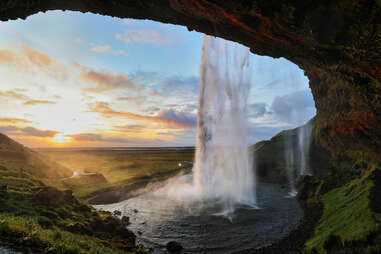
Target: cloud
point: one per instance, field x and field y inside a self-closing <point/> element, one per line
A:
<point x="103" y="48"/>
<point x="271" y="85"/>
<point x="137" y="100"/>
<point x="108" y="82"/>
<point x="27" y="131"/>
<point x="294" y="108"/>
<point x="152" y="110"/>
<point x="37" y="58"/>
<point x="169" y="117"/>
<point x="143" y="36"/>
<point x="14" y="120"/>
<point x="108" y="49"/>
<point x="181" y="84"/>
<point x="91" y="137"/>
<point x="36" y="102"/>
<point x="78" y="41"/>
<point x="134" y="128"/>
<point x="158" y="86"/>
<point x="28" y="59"/>
<point x="129" y="22"/>
<point x="99" y="138"/>
<point x="7" y="56"/>
<point x="257" y="110"/>
<point x="13" y="95"/>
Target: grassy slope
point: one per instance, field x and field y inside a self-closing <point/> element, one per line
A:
<point x="15" y="156"/>
<point x="38" y="218"/>
<point x="34" y="217"/>
<point x="350" y="220"/>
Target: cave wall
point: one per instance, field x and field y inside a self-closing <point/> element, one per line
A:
<point x="336" y="43"/>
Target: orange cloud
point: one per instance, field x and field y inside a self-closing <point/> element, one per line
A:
<point x="14" y="120"/>
<point x="37" y="58"/>
<point x="168" y="117"/>
<point x="36" y="102"/>
<point x="108" y="49"/>
<point x="107" y="82"/>
<point x="7" y="56"/>
<point x="103" y="48"/>
<point x="13" y="95"/>
<point x="25" y="58"/>
<point x="27" y="131"/>
<point x="137" y="100"/>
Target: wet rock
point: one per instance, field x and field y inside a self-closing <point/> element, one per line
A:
<point x="174" y="247"/>
<point x="126" y="221"/>
<point x="117" y="213"/>
<point x="52" y="250"/>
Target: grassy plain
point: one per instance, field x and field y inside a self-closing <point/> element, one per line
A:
<point x="121" y="168"/>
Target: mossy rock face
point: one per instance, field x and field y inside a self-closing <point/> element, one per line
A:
<point x="351" y="218"/>
<point x="375" y="193"/>
<point x="52" y="195"/>
<point x="44" y="222"/>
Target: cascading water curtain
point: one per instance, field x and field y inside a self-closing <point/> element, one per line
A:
<point x="224" y="168"/>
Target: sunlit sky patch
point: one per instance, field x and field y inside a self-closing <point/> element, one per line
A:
<point x="73" y="79"/>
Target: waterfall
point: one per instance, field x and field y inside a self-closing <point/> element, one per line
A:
<point x="304" y="138"/>
<point x="223" y="167"/>
<point x="289" y="156"/>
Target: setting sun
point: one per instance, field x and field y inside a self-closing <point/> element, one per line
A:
<point x="61" y="138"/>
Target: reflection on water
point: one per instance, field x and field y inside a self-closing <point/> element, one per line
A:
<point x="157" y="218"/>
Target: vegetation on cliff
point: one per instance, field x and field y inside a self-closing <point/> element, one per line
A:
<point x="38" y="218"/>
<point x="351" y="218"/>
<point x="270" y="159"/>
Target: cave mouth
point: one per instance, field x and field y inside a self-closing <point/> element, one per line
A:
<point x="133" y="72"/>
<point x="83" y="80"/>
<point x="336" y="44"/>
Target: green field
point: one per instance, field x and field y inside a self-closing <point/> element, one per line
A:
<point x="120" y="168"/>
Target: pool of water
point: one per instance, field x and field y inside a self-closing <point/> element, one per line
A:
<point x="157" y="219"/>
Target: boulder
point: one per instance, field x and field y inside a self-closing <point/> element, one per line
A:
<point x="174" y="247"/>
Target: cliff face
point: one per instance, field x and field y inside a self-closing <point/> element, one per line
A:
<point x="336" y="43"/>
<point x="282" y="154"/>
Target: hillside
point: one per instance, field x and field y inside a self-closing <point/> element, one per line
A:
<point x="271" y="155"/>
<point x="37" y="218"/>
<point x="16" y="156"/>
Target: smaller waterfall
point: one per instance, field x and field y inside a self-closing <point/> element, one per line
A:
<point x="289" y="156"/>
<point x="304" y="139"/>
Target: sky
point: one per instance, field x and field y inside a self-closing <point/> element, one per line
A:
<point x="83" y="80"/>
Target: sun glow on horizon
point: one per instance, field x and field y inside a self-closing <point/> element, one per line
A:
<point x="61" y="138"/>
